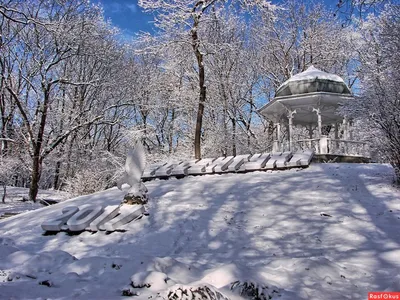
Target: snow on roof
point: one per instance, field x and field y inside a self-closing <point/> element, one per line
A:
<point x="312" y="73"/>
<point x="310" y="76"/>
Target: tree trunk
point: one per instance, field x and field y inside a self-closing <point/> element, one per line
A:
<point x="202" y="92"/>
<point x="37" y="160"/>
<point x="35" y="177"/>
<point x="171" y="132"/>
<point x="233" y="136"/>
<point x="57" y="175"/>
<point x="225" y="146"/>
<point x="199" y="124"/>
<point x="4" y="192"/>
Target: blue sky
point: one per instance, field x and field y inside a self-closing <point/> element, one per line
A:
<point x="127" y="15"/>
<point x="130" y="18"/>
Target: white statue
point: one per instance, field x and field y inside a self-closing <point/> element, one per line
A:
<point x="134" y="167"/>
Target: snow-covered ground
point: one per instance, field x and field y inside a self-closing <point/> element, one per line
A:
<point x="331" y="231"/>
<point x="15" y="203"/>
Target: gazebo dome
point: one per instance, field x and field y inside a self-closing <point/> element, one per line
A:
<point x="313" y="80"/>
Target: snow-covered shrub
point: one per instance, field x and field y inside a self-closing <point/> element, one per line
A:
<point x="96" y="174"/>
<point x="8" y="167"/>
<point x="86" y="182"/>
<point x="91" y="178"/>
<point x="255" y="291"/>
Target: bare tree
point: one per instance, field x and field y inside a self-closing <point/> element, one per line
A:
<point x="357" y="8"/>
<point x="182" y="19"/>
<point x="302" y="36"/>
<point x="51" y="101"/>
<point x="234" y="76"/>
<point x="378" y="105"/>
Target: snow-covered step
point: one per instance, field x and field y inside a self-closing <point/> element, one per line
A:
<point x="200" y="166"/>
<point x="238" y="163"/>
<point x="219" y="165"/>
<point x="271" y="163"/>
<point x="166" y="169"/>
<point x="252" y="158"/>
<point x="182" y="168"/>
<point x="230" y="164"/>
<point x="283" y="159"/>
<point x="257" y="162"/>
<point x="150" y="171"/>
<point x="300" y="159"/>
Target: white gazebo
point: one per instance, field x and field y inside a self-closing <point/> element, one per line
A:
<point x="310" y="99"/>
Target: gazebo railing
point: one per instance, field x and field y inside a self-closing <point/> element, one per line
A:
<point x="327" y="145"/>
<point x="305" y="144"/>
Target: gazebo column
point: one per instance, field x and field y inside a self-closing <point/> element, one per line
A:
<point x="323" y="141"/>
<point x="345" y="134"/>
<point x="318" y="112"/>
<point x="310" y="134"/>
<point x="290" y="118"/>
<point x="276" y="145"/>
<point x="345" y="129"/>
<point x="350" y="130"/>
<point x="336" y="137"/>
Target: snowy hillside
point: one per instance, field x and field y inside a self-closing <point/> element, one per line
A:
<point x="15" y="200"/>
<point x="331" y="231"/>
